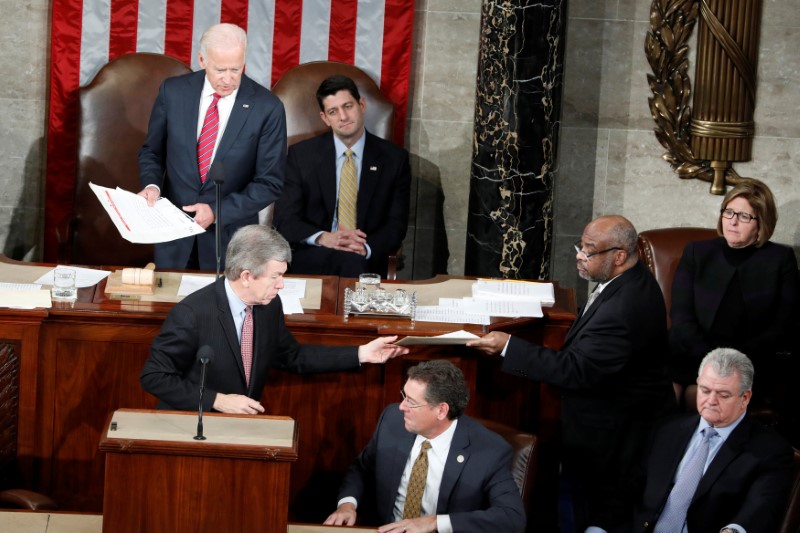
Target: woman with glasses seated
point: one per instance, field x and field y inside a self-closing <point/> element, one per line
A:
<point x="737" y="291"/>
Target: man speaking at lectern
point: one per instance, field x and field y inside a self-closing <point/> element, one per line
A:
<point x="241" y="320"/>
<point x="215" y="115"/>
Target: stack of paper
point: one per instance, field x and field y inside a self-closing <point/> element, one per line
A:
<point x="139" y="223"/>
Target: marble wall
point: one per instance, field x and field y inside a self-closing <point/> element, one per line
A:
<point x="610" y="161"/>
<point x="23" y="39"/>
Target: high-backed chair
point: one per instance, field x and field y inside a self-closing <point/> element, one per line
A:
<point x="114" y="113"/>
<point x="791" y="520"/>
<point x="661" y="250"/>
<point x="523" y="464"/>
<point x="297" y="89"/>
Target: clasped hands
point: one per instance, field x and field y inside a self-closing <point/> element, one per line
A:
<point x="345" y="515"/>
<point x="203" y="214"/>
<point x="345" y="240"/>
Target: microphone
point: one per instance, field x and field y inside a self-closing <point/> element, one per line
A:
<point x="204" y="356"/>
<point x="217" y="174"/>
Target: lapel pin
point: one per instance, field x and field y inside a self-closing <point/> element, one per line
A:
<point x="460" y="458"/>
<point x="246" y="106"/>
<point x="373" y="168"/>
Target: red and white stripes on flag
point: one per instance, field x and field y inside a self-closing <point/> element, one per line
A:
<point x="374" y="35"/>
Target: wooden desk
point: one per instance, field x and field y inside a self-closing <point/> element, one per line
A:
<point x="78" y="363"/>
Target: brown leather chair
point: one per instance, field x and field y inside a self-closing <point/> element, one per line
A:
<point x="791" y="521"/>
<point x="523" y="464"/>
<point x="297" y="89"/>
<point x="114" y="113"/>
<point x="661" y="250"/>
<point x="9" y="409"/>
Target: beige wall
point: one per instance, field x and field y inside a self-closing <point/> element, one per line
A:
<point x="609" y="158"/>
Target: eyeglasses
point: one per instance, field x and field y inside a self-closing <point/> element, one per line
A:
<point x="410" y="403"/>
<point x="579" y="248"/>
<point x="743" y="217"/>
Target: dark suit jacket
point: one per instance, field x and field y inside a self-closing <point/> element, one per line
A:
<point x="611" y="370"/>
<point x="172" y="372"/>
<point x="477" y="492"/>
<point x="769" y="282"/>
<point x="252" y="151"/>
<point x="308" y="203"/>
<point x="747" y="483"/>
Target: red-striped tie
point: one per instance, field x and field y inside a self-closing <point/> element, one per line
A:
<point x="208" y="138"/>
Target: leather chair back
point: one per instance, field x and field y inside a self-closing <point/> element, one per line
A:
<point x="297" y="89"/>
<point x="661" y="251"/>
<point x="791" y="521"/>
<point x="523" y="464"/>
<point x="114" y="113"/>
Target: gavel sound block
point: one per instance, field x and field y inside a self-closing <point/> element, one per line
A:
<point x="130" y="281"/>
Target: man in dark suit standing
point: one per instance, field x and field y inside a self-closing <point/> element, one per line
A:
<point x="215" y="115"/>
<point x="611" y="371"/>
<point x="345" y="203"/>
<point x="432" y="468"/>
<point x="722" y="470"/>
<point x="240" y="318"/>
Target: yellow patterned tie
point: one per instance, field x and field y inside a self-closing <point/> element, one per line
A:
<point x="416" y="483"/>
<point x="348" y="193"/>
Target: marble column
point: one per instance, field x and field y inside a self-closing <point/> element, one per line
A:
<point x="517" y="111"/>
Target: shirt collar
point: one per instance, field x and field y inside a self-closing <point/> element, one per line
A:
<point x="235" y="303"/>
<point x="208" y="90"/>
<point x="723" y="432"/>
<point x="441" y="443"/>
<point x="357" y="148"/>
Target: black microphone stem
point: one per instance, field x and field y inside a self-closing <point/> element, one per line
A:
<point x="218" y="223"/>
<point x="199" y="435"/>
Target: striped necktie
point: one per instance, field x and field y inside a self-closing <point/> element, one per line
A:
<point x="208" y="138"/>
<point x="348" y="193"/>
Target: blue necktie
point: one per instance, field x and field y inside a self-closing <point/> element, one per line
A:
<point x="674" y="515"/>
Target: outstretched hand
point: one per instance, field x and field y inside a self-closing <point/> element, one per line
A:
<point x="491" y="343"/>
<point x="380" y="350"/>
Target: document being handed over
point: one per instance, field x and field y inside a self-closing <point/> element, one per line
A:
<point x="139" y="223"/>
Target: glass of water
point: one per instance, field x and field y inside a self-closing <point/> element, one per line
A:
<point x="64" y="289"/>
<point x="369" y="282"/>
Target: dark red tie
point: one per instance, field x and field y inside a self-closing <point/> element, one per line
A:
<point x="208" y="138"/>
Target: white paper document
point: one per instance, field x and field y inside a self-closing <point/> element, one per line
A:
<point x="84" y="277"/>
<point x="450" y="315"/>
<point x="191" y="283"/>
<point x="515" y="290"/>
<point x="453" y="338"/>
<point x="24" y="296"/>
<point x="507" y="308"/>
<point x="290" y="301"/>
<point x="139" y="223"/>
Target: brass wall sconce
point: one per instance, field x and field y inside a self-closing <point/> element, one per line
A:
<point x="705" y="138"/>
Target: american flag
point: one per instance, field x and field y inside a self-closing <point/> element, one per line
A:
<point x="374" y="35"/>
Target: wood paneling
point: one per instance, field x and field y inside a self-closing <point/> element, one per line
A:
<point x="79" y="363"/>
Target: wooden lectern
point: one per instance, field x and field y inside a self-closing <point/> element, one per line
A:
<point x="159" y="478"/>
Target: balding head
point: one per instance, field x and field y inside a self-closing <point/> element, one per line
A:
<point x="608" y="247"/>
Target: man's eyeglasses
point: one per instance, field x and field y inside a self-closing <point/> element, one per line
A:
<point x="411" y="403"/>
<point x="743" y="217"/>
<point x="579" y="248"/>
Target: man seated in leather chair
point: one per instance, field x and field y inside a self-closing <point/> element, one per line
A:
<point x="344" y="205"/>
